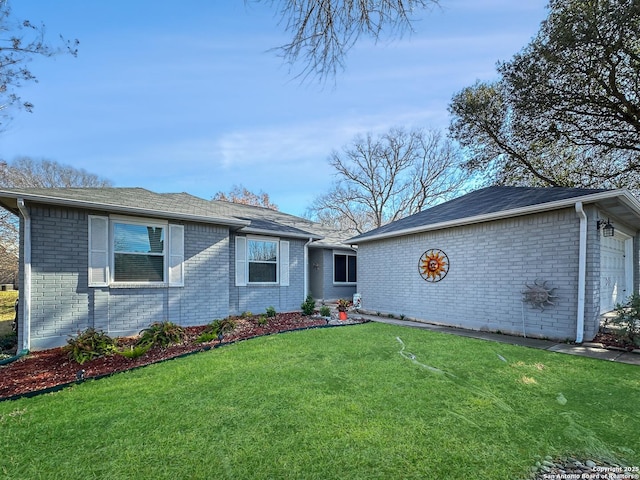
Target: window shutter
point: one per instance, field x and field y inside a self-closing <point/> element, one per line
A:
<point x="176" y="255"/>
<point x="98" y="251"/>
<point x="284" y="264"/>
<point x="241" y="261"/>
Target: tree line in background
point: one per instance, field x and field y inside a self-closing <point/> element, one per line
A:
<point x="23" y="173"/>
<point x="564" y="111"/>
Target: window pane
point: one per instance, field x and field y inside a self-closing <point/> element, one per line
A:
<point x="138" y="268"/>
<point x="262" y="272"/>
<point x="352" y="268"/>
<point x="339" y="268"/>
<point x="262" y="251"/>
<point x="138" y="238"/>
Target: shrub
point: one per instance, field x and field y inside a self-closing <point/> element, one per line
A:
<point x="308" y="306"/>
<point x="134" y="351"/>
<point x="9" y="342"/>
<point x="262" y="320"/>
<point x="325" y="311"/>
<point x="90" y="344"/>
<point x="627" y="320"/>
<point x="207" y="336"/>
<point x="271" y="312"/>
<point x="161" y="333"/>
<point x="216" y="329"/>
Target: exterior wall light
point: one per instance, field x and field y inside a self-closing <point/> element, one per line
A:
<point x="607" y="228"/>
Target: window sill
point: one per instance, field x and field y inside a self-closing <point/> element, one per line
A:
<point x="115" y="286"/>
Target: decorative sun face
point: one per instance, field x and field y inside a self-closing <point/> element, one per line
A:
<point x="433" y="265"/>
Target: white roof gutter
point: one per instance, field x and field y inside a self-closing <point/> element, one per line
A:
<point x="25" y="329"/>
<point x="582" y="272"/>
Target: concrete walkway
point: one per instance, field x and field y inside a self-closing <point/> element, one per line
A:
<point x="592" y="350"/>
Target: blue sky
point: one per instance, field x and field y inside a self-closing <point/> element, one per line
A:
<point x="187" y="96"/>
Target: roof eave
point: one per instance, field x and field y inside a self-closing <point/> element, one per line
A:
<point x="281" y="233"/>
<point x="624" y="195"/>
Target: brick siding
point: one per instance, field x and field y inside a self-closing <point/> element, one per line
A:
<point x="490" y="264"/>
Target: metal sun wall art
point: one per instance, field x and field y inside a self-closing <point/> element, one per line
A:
<point x="539" y="295"/>
<point x="433" y="265"/>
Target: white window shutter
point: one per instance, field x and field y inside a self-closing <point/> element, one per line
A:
<point x="241" y="261"/>
<point x="176" y="255"/>
<point x="98" y="251"/>
<point x="284" y="264"/>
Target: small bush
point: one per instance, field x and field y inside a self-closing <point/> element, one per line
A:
<point x="218" y="327"/>
<point x="207" y="337"/>
<point x="8" y="342"/>
<point x="325" y="311"/>
<point x="271" y="312"/>
<point x="627" y="320"/>
<point x="134" y="351"/>
<point x="246" y="314"/>
<point x="308" y="306"/>
<point x="161" y="333"/>
<point x="262" y="320"/>
<point x="90" y="344"/>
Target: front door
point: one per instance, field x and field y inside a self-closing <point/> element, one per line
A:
<point x="615" y="271"/>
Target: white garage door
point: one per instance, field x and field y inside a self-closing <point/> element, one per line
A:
<point x="615" y="271"/>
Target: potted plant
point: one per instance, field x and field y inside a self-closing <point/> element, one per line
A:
<point x="343" y="305"/>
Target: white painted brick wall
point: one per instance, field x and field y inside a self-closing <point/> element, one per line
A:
<point x="490" y="264"/>
<point x="63" y="304"/>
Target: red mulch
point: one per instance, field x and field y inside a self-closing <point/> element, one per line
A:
<point x="47" y="369"/>
<point x="613" y="340"/>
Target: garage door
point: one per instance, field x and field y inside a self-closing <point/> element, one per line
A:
<point x="615" y="284"/>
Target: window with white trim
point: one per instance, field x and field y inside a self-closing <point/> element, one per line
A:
<point x="138" y="252"/>
<point x="262" y="257"/>
<point x="262" y="260"/>
<point x="135" y="251"/>
<point x="344" y="268"/>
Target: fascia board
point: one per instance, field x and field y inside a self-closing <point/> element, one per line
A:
<point x="122" y="209"/>
<point x="623" y="194"/>
<point x="258" y="231"/>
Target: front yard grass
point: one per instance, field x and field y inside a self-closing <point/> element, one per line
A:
<point x="7" y="311"/>
<point x="371" y="401"/>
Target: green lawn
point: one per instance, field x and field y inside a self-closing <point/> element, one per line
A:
<point x="342" y="403"/>
<point x="7" y="311"/>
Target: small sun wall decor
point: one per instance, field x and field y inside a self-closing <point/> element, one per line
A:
<point x="539" y="295"/>
<point x="433" y="265"/>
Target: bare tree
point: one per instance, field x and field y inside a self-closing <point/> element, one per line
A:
<point x="323" y="31"/>
<point x="26" y="172"/>
<point x="384" y="178"/>
<point x="240" y="194"/>
<point x="20" y="41"/>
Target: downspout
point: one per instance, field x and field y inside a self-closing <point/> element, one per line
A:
<point x="582" y="272"/>
<point x="306" y="268"/>
<point x="26" y="294"/>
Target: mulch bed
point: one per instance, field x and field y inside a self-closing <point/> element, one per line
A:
<point x="611" y="340"/>
<point x="47" y="369"/>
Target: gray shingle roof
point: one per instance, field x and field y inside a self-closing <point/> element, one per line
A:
<point x="483" y="202"/>
<point x="139" y="201"/>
